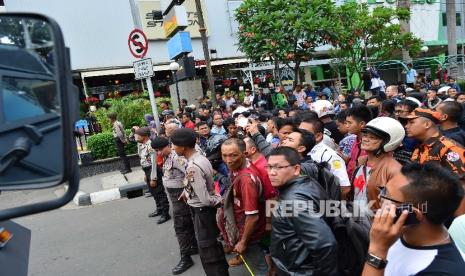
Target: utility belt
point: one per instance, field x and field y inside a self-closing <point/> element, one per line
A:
<point x="203" y="210"/>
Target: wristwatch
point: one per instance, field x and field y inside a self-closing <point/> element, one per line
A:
<point x="376" y="261"/>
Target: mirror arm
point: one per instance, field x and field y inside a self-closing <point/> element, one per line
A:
<point x="73" y="187"/>
<point x="21" y="149"/>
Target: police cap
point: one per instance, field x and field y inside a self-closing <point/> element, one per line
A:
<point x="159" y="142"/>
<point x="184" y="137"/>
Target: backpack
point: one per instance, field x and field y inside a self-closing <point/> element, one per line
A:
<point x="322" y="174"/>
<point x="352" y="236"/>
<point x="351" y="233"/>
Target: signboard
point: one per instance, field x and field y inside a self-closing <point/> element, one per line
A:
<point x="179" y="44"/>
<point x="175" y="20"/>
<point x="168" y="4"/>
<point x="138" y="43"/>
<point x="143" y="69"/>
<point x="154" y="28"/>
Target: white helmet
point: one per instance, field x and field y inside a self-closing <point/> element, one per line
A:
<point x="389" y="129"/>
<point x="323" y="108"/>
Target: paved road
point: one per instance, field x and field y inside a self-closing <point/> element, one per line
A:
<point x="115" y="238"/>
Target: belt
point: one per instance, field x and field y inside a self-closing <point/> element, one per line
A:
<point x="202" y="210"/>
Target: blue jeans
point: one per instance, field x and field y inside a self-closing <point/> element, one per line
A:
<point x="255" y="258"/>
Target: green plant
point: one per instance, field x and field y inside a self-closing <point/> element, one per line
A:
<point x="283" y="31"/>
<point x="102" y="118"/>
<point x="360" y="33"/>
<point x="102" y="145"/>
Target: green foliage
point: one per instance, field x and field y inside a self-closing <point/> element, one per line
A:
<point x="102" y="118"/>
<point x="102" y="145"/>
<point x="283" y="31"/>
<point x="357" y="29"/>
<point x="130" y="112"/>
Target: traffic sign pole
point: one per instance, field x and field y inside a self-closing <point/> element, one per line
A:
<point x="148" y="81"/>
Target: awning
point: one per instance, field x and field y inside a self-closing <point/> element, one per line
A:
<point x="156" y="68"/>
<point x="128" y="70"/>
<point x="271" y="67"/>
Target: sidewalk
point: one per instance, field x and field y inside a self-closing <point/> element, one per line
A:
<point x="110" y="186"/>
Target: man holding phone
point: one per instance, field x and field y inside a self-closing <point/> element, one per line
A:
<point x="408" y="236"/>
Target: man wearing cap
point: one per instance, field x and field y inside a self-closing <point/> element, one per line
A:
<point x="200" y="195"/>
<point x="174" y="171"/>
<point x="422" y="124"/>
<point x="153" y="174"/>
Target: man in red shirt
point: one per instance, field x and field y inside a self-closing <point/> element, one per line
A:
<point x="187" y="121"/>
<point x="248" y="205"/>
<point x="259" y="161"/>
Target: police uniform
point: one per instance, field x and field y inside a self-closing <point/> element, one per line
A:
<point x="153" y="172"/>
<point x="322" y="153"/>
<point x="174" y="172"/>
<point x="201" y="197"/>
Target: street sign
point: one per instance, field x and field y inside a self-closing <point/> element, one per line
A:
<point x="138" y="43"/>
<point x="143" y="68"/>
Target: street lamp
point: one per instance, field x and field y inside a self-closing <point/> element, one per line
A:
<point x="174" y="67"/>
<point x="424" y="50"/>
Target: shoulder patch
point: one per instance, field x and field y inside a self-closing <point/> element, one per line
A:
<point x="336" y="164"/>
<point x="453" y="156"/>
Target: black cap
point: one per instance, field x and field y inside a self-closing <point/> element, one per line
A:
<point x="143" y="131"/>
<point x="159" y="142"/>
<point x="184" y="137"/>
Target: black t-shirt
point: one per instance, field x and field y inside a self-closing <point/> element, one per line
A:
<point x="456" y="134"/>
<point x="333" y="132"/>
<point x="404" y="259"/>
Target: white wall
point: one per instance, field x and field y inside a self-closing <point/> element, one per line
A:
<point x="97" y="31"/>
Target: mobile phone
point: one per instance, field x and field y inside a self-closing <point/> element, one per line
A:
<point x="411" y="217"/>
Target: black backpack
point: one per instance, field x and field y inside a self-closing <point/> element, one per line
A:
<point x="351" y="233"/>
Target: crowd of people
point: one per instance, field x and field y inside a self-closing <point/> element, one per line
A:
<point x="250" y="179"/>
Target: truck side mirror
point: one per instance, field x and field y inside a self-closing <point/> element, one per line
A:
<point x="38" y="107"/>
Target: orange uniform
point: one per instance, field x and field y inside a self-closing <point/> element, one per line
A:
<point x="443" y="150"/>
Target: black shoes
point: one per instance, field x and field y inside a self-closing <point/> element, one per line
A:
<point x="184" y="264"/>
<point x="126" y="171"/>
<point x="155" y="214"/>
<point x="163" y="219"/>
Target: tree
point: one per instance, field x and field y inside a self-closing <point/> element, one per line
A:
<point x="283" y="31"/>
<point x="361" y="36"/>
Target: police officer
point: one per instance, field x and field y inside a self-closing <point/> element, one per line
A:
<point x="153" y="173"/>
<point x="174" y="171"/>
<point x="200" y="195"/>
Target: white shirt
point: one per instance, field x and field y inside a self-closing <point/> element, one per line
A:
<point x="322" y="153"/>
<point x="249" y="99"/>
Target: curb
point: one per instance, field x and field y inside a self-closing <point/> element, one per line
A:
<point x="125" y="191"/>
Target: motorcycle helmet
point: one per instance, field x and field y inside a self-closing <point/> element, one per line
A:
<point x="390" y="130"/>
